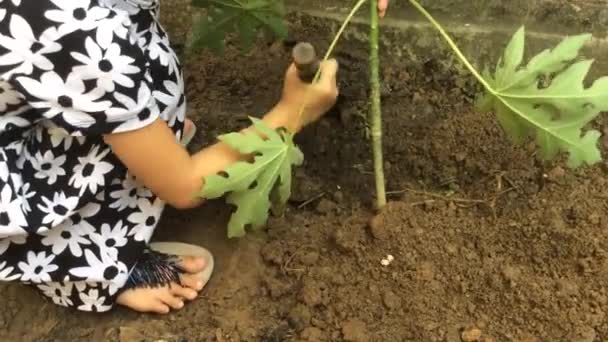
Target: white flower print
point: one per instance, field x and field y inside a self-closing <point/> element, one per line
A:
<point x="57" y="209"/>
<point x="135" y="114"/>
<point x="8" y="96"/>
<point x="120" y="5"/>
<point x="170" y="98"/>
<point x="14" y="118"/>
<point x="130" y="192"/>
<point x="138" y="37"/>
<point x="25" y="50"/>
<point x="81" y="286"/>
<point x="4" y="172"/>
<point x="92" y="301"/>
<point x="79" y="218"/>
<point x="12" y="219"/>
<point x="6" y="241"/>
<point x="145" y="219"/>
<point x="58" y="135"/>
<point x="26" y="194"/>
<point x="65" y="235"/>
<point x="5" y="272"/>
<point x="47" y="166"/>
<point x="160" y="49"/>
<point x="90" y="172"/>
<point x="37" y="267"/>
<point x="59" y="292"/>
<point x="109" y="239"/>
<point x="117" y="25"/>
<point x="108" y="66"/>
<point x="66" y="98"/>
<point x="103" y="270"/>
<point x="76" y="15"/>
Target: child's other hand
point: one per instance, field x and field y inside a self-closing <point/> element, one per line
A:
<point x="382" y="6"/>
<point x="318" y="98"/>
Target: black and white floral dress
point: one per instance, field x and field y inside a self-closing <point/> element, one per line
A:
<point x="73" y="222"/>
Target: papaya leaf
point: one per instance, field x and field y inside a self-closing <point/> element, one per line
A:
<point x="245" y="18"/>
<point x="555" y="113"/>
<point x="249" y="185"/>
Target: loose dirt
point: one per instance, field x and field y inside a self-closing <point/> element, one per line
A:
<point x="487" y="243"/>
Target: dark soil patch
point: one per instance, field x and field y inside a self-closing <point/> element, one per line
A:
<point x="488" y="244"/>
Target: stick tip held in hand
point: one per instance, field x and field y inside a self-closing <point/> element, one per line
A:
<point x="306" y="61"/>
<point x="304" y="54"/>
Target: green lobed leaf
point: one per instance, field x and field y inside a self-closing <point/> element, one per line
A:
<point x="242" y="17"/>
<point x="555" y="114"/>
<point x="249" y="185"/>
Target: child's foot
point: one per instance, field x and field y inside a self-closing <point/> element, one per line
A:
<point x="163" y="299"/>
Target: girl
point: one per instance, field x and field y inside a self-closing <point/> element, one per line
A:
<point x="92" y="113"/>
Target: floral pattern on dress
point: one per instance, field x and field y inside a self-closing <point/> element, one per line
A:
<point x="73" y="221"/>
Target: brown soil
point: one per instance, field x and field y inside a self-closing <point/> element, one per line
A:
<point x="488" y="243"/>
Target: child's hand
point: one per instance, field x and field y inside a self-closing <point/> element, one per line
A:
<point x="318" y="97"/>
<point x="382" y="6"/>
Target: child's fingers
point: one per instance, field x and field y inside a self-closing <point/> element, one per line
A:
<point x="382" y="6"/>
<point x="329" y="70"/>
<point x="292" y="71"/>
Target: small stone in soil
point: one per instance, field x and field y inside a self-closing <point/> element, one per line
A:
<point x="338" y="196"/>
<point x="128" y="334"/>
<point x="299" y="317"/>
<point x="471" y="334"/>
<point x="312" y="334"/>
<point x="309" y="258"/>
<point x="344" y="241"/>
<point x="354" y="330"/>
<point x="377" y="227"/>
<point x="557" y="173"/>
<point x="272" y="253"/>
<point x="391" y="300"/>
<point x="325" y="206"/>
<point x="311" y="294"/>
<point x="511" y="274"/>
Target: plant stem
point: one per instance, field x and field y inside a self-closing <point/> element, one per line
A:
<point x="453" y="46"/>
<point x="375" y="106"/>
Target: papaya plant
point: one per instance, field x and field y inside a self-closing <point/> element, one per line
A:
<point x="555" y="114"/>
<point x="245" y="18"/>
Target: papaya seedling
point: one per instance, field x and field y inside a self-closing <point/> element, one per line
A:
<point x="554" y="114"/>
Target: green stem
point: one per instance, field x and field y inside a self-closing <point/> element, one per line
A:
<point x="453" y="46"/>
<point x="375" y="106"/>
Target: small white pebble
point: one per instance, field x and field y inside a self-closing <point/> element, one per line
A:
<point x="387" y="261"/>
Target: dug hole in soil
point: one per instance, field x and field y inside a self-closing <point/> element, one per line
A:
<point x="488" y="243"/>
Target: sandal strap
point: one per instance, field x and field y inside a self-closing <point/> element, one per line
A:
<point x="154" y="270"/>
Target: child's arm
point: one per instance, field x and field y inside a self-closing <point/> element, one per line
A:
<point x="155" y="158"/>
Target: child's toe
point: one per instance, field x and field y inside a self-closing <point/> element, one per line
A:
<point x="192" y="281"/>
<point x="183" y="292"/>
<point x="172" y="301"/>
<point x="192" y="264"/>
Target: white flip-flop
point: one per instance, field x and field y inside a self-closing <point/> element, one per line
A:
<point x="184" y="249"/>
